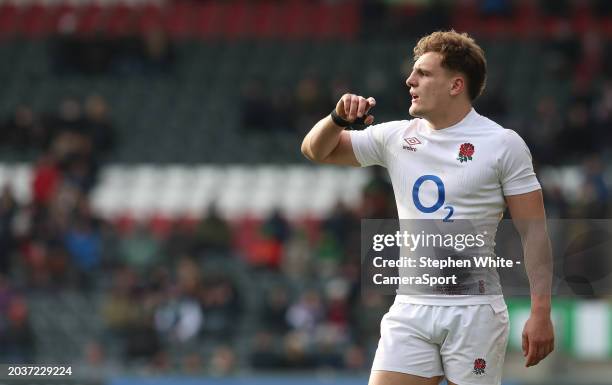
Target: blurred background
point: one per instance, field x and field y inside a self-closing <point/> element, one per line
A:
<point x="158" y="223"/>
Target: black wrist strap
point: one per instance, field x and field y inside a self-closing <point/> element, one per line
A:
<point x="358" y="124"/>
<point x="338" y="120"/>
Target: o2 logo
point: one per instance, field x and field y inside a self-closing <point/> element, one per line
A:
<point x="441" y="197"/>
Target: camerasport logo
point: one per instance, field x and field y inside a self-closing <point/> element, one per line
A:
<point x="479" y="366"/>
<point x="466" y="150"/>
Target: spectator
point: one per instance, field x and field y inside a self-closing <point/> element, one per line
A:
<point x="179" y="319"/>
<point x="501" y="8"/>
<point x="295" y="352"/>
<point x="355" y="358"/>
<point x="256" y="109"/>
<point x="595" y="196"/>
<point x="338" y="309"/>
<point x="158" y="52"/>
<point x="16" y="336"/>
<point x="297" y="256"/>
<point x="264" y="355"/>
<point x="8" y="241"/>
<point x="307" y="313"/>
<point x="139" y="250"/>
<point x="571" y="139"/>
<point x="23" y="130"/>
<point x="98" y="125"/>
<point x="213" y="234"/>
<point x="83" y="242"/>
<point x="96" y="364"/>
<point x="546" y="124"/>
<point x="192" y="364"/>
<point x="121" y="308"/>
<point x="275" y="310"/>
<point x="282" y="108"/>
<point x="47" y="177"/>
<point x="222" y="309"/>
<point x="311" y="102"/>
<point x="223" y="361"/>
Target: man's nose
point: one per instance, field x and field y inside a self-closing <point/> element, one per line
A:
<point x="410" y="81"/>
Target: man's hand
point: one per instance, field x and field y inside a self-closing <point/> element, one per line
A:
<point x="538" y="338"/>
<point x="351" y="107"/>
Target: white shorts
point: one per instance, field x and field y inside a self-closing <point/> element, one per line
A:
<point x="467" y="344"/>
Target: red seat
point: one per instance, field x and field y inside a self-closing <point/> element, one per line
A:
<point x="208" y="20"/>
<point x="606" y="26"/>
<point x="61" y="17"/>
<point x="90" y="19"/>
<point x="9" y="18"/>
<point x="293" y="17"/>
<point x="34" y="21"/>
<point x="149" y="18"/>
<point x="349" y="27"/>
<point x="123" y="224"/>
<point x="178" y="21"/>
<point x="527" y="21"/>
<point x="324" y="23"/>
<point x="265" y="20"/>
<point x="120" y="20"/>
<point x="237" y="20"/>
<point x="160" y="226"/>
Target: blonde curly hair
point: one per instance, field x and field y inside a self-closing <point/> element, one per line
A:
<point x="459" y="53"/>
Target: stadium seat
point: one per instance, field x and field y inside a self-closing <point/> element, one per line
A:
<point x="62" y="18"/>
<point x="208" y="20"/>
<point x="149" y="18"/>
<point x="120" y="20"/>
<point x="237" y="26"/>
<point x="178" y="20"/>
<point x="293" y="17"/>
<point x="265" y="20"/>
<point x="91" y="19"/>
<point x="572" y="180"/>
<point x="35" y="21"/>
<point x="9" y="19"/>
<point x="21" y="178"/>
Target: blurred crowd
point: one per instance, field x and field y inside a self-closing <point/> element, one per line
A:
<point x="54" y="236"/>
<point x="206" y="296"/>
<point x="151" y="54"/>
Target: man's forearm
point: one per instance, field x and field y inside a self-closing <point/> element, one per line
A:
<point x="538" y="263"/>
<point x="321" y="140"/>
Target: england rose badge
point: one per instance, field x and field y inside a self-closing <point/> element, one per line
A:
<point x="466" y="150"/>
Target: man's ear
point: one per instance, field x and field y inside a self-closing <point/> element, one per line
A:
<point x="457" y="85"/>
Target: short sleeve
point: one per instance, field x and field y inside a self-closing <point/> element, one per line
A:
<point x="516" y="166"/>
<point x="369" y="145"/>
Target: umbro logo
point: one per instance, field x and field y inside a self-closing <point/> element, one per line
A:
<point x="411" y="143"/>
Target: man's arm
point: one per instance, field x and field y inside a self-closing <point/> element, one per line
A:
<point x="529" y="218"/>
<point x="329" y="143"/>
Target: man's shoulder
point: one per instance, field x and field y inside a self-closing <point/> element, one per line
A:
<point x="496" y="131"/>
<point x="394" y="124"/>
<point x="388" y="130"/>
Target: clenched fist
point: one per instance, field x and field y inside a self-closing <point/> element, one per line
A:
<point x="354" y="107"/>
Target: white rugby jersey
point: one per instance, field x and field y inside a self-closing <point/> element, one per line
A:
<point x="459" y="172"/>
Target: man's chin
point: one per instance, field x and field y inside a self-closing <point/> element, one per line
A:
<point x="415" y="112"/>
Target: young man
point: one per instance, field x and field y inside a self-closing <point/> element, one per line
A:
<point x="452" y="154"/>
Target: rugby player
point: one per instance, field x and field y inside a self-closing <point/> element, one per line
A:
<point x="481" y="168"/>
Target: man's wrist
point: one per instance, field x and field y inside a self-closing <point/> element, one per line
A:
<point x="338" y="120"/>
<point x="541" y="305"/>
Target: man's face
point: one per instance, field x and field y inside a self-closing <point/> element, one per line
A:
<point x="430" y="86"/>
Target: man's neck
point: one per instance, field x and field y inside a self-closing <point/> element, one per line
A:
<point x="450" y="117"/>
